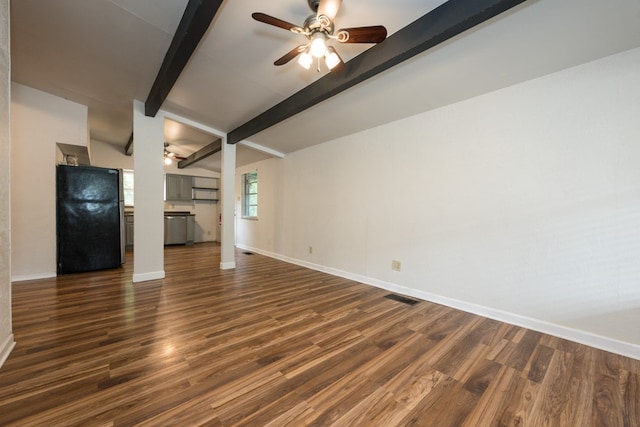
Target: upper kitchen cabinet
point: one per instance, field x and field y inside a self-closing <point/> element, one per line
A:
<point x="177" y="188"/>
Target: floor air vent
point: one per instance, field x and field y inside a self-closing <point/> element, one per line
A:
<point x="248" y="253"/>
<point x="402" y="299"/>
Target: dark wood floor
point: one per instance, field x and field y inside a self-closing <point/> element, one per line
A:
<point x="271" y="343"/>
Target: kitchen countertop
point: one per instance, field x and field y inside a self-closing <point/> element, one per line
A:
<point x="178" y="213"/>
<point x="167" y="213"/>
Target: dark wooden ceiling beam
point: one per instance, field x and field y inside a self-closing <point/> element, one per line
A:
<point x="437" y="26"/>
<point x="202" y="153"/>
<point x="128" y="149"/>
<point x="195" y="21"/>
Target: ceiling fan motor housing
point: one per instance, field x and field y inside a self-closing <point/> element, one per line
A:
<point x="312" y="24"/>
<point x="313" y="4"/>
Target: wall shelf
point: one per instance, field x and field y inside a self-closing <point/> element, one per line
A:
<point x="204" y="189"/>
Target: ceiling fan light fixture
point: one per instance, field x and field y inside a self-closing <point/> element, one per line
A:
<point x="167" y="160"/>
<point x="331" y="58"/>
<point x="305" y="60"/>
<point x="318" y="47"/>
<point x="319" y="28"/>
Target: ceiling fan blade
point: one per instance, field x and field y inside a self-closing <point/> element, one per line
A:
<point x="329" y="8"/>
<point x="290" y="55"/>
<point x="373" y="34"/>
<point x="268" y="19"/>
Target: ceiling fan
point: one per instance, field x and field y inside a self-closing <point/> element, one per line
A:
<point x="318" y="28"/>
<point x="169" y="156"/>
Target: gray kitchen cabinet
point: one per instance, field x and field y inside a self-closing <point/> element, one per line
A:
<point x="128" y="230"/>
<point x="191" y="229"/>
<point x="178" y="188"/>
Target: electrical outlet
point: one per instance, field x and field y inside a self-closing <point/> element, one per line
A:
<point x="310" y="249"/>
<point x="396" y="265"/>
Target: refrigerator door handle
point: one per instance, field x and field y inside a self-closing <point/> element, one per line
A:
<point x="122" y="232"/>
<point x="121" y="206"/>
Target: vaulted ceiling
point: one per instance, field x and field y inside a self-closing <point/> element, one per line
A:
<point x="106" y="53"/>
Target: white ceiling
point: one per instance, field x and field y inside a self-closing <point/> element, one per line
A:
<point x="105" y="53"/>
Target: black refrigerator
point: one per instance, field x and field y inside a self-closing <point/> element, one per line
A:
<point x="90" y="218"/>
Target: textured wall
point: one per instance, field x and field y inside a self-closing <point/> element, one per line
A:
<point x="33" y="160"/>
<point x="521" y="204"/>
<point x="6" y="338"/>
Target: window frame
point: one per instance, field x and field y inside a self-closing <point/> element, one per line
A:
<point x="248" y="179"/>
<point x="128" y="189"/>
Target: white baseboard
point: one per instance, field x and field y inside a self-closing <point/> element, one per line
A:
<point x="143" y="277"/>
<point x="227" y="265"/>
<point x="5" y="349"/>
<point x="583" y="337"/>
<point x="26" y="277"/>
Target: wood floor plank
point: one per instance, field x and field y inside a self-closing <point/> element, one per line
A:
<point x="436" y="408"/>
<point x="369" y="411"/>
<point x="539" y="363"/>
<point x="466" y="349"/>
<point x="334" y="401"/>
<point x="275" y="344"/>
<point x="517" y="407"/>
<point x="609" y="385"/>
<point x="494" y="401"/>
<point x="553" y="395"/>
<point x="293" y="417"/>
<point x="631" y="398"/>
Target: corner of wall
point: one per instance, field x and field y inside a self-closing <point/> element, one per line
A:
<point x="6" y="334"/>
<point x="5" y="349"/>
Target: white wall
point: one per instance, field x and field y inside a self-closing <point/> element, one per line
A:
<point x="6" y="330"/>
<point x="33" y="160"/>
<point x="522" y="204"/>
<point x="38" y="121"/>
<point x="111" y="156"/>
<point x="264" y="232"/>
<point x="107" y="155"/>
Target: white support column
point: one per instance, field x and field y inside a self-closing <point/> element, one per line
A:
<point x="7" y="342"/>
<point x="228" y="177"/>
<point x="148" y="234"/>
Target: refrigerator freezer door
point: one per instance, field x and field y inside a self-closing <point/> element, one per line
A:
<point x="88" y="219"/>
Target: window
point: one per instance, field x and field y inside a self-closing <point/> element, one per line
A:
<point x="127" y="187"/>
<point x="250" y="195"/>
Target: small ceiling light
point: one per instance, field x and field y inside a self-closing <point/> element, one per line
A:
<point x="331" y="58"/>
<point x="318" y="47"/>
<point x="305" y="60"/>
<point x="167" y="160"/>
